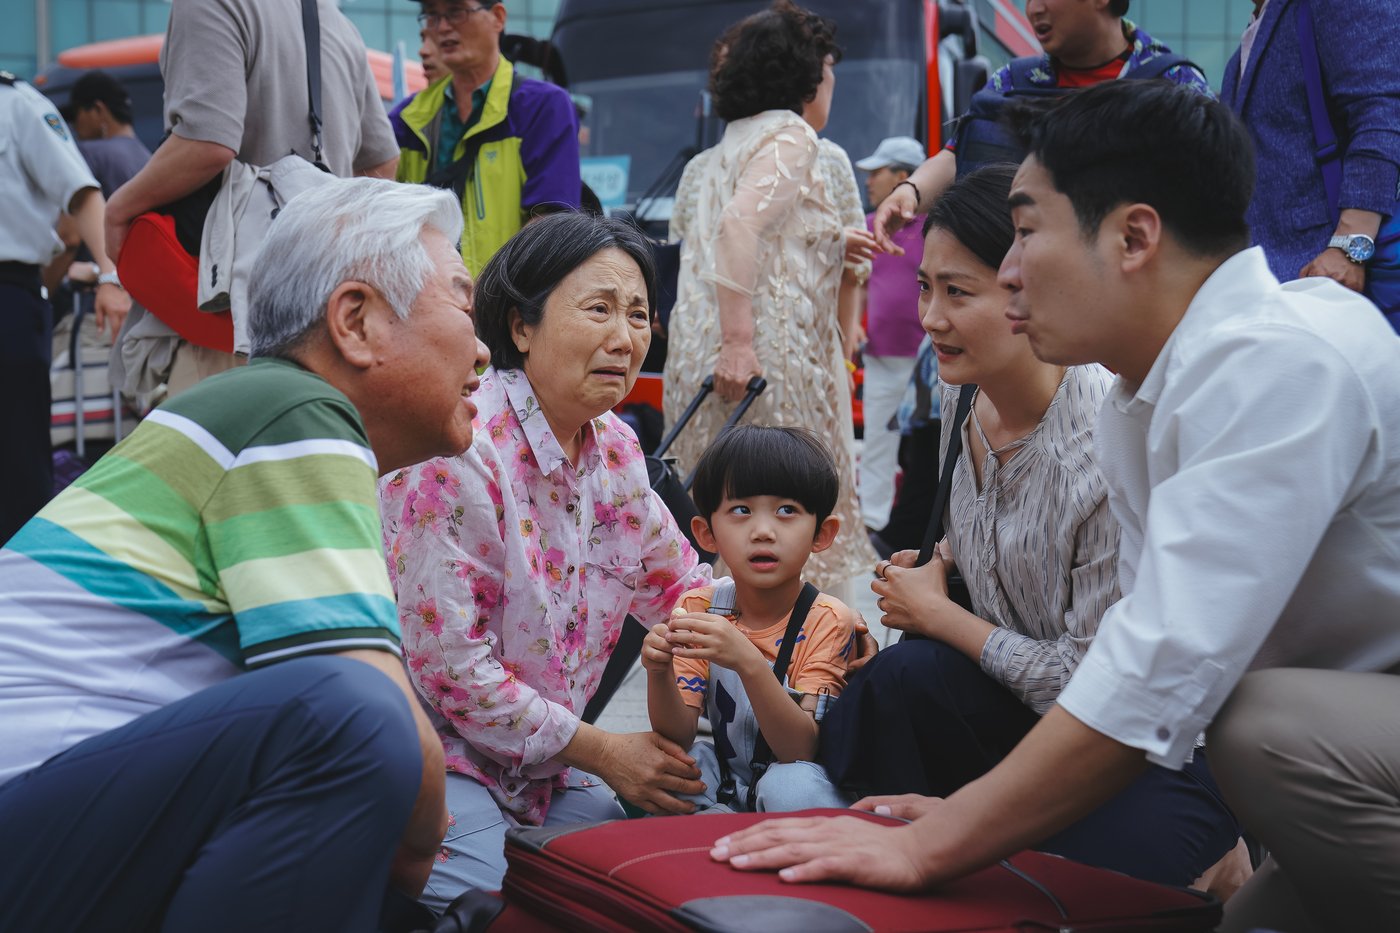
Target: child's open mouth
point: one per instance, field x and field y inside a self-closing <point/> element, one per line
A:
<point x="763" y="561"/>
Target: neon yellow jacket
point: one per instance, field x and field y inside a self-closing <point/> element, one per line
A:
<point x="527" y="156"/>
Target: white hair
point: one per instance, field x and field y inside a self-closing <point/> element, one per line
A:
<point x="347" y="229"/>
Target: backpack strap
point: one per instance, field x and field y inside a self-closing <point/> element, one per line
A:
<point x="311" y="34"/>
<point x="1019" y="70"/>
<point x="934" y="534"/>
<point x="762" y="753"/>
<point x="1159" y="66"/>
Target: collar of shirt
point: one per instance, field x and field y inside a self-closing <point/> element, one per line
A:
<point x="545" y="447"/>
<point x="1144" y="47"/>
<point x="452" y="128"/>
<point x="1245" y="274"/>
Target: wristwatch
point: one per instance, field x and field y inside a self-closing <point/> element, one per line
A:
<point x="109" y="278"/>
<point x="1358" y="247"/>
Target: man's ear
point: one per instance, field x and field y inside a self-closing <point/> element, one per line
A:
<point x="704" y="537"/>
<point x="826" y="533"/>
<point x="1139" y="233"/>
<point x="350" y="325"/>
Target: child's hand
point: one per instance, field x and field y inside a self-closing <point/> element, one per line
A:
<point x="656" y="650"/>
<point x="712" y="638"/>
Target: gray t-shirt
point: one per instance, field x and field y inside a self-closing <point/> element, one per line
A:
<point x="114" y="160"/>
<point x="235" y="74"/>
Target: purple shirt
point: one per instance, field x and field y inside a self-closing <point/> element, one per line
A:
<point x="892" y="310"/>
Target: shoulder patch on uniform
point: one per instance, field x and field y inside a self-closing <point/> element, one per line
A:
<point x="56" y="124"/>
<point x="7" y="78"/>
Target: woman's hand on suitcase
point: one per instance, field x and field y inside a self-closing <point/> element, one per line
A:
<point x="737" y="364"/>
<point x="828" y="848"/>
<point x="648" y="770"/>
<point x="900" y="806"/>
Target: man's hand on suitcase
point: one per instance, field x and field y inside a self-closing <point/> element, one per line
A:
<point x="828" y="848"/>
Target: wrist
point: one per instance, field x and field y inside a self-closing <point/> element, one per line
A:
<point x="907" y="183"/>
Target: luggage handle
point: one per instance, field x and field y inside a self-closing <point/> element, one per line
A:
<point x="754" y="389"/>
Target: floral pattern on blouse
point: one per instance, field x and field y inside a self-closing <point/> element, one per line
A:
<point x="514" y="572"/>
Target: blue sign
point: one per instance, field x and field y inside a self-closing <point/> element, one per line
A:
<point x="607" y="176"/>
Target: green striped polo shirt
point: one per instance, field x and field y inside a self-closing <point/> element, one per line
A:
<point x="238" y="525"/>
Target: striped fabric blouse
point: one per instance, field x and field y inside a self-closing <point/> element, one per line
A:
<point x="1037" y="545"/>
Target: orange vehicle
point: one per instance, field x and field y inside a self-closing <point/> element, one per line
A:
<point x="135" y="62"/>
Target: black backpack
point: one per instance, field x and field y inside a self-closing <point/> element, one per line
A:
<point x="982" y="138"/>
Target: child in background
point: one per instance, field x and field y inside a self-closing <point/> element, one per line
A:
<point x="765" y="497"/>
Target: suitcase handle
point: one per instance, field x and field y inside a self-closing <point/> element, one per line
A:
<point x="754" y="389"/>
<point x="706" y="388"/>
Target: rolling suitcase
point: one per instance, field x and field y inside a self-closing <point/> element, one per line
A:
<point x="656" y="874"/>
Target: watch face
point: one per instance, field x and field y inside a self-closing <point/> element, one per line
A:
<point x="1360" y="249"/>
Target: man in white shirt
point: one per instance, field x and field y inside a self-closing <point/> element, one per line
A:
<point x="1252" y="451"/>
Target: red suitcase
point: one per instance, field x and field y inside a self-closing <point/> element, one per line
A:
<point x="656" y="874"/>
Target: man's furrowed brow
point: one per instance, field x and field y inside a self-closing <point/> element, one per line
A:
<point x="1019" y="199"/>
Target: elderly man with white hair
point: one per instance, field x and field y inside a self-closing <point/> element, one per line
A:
<point x="204" y="721"/>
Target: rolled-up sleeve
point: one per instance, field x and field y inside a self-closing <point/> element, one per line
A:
<point x="1037" y="670"/>
<point x="1228" y="531"/>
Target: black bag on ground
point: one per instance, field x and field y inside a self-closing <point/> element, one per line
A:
<point x="982" y="136"/>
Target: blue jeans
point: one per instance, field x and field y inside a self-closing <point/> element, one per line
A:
<point x="922" y="718"/>
<point x="272" y="801"/>
<point x="474" y="852"/>
<point x="797" y="785"/>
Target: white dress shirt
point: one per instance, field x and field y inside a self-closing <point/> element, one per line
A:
<point x="1256" y="477"/>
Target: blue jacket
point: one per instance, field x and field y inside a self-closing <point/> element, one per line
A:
<point x="1359" y="56"/>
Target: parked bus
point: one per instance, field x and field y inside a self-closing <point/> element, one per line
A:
<point x="908" y="68"/>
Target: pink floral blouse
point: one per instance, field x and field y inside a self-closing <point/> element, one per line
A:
<point x="514" y="571"/>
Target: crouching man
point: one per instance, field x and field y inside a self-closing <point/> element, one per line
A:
<point x="204" y="720"/>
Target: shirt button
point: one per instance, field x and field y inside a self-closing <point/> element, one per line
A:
<point x="569" y="507"/>
<point x="1163" y="733"/>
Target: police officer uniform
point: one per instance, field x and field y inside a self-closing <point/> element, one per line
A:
<point x="41" y="172"/>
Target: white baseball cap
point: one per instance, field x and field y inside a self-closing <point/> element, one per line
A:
<point x="896" y="150"/>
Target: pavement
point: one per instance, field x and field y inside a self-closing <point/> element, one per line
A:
<point x="627" y="710"/>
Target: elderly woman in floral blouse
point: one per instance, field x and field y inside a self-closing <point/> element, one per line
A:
<point x="517" y="563"/>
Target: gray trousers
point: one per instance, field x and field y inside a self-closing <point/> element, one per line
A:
<point x="1310" y="762"/>
<point x="473" y="854"/>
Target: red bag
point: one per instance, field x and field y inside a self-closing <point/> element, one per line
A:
<point x="657" y="874"/>
<point x="162" y="276"/>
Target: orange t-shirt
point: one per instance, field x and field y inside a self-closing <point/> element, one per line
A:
<point x="819" y="657"/>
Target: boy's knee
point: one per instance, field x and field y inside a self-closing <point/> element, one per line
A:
<point x="796" y="785"/>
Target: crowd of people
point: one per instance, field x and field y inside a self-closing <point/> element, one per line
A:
<point x="322" y="629"/>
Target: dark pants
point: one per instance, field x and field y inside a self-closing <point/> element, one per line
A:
<point x="926" y="720"/>
<point x="913" y="506"/>
<point x="26" y="333"/>
<point x="273" y="801"/>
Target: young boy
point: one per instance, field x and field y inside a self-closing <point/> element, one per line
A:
<point x="765" y="497"/>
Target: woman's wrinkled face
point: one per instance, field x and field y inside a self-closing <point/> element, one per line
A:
<point x="817" y="111"/>
<point x="964" y="310"/>
<point x="584" y="354"/>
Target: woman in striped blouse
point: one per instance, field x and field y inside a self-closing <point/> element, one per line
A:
<point x="1030" y="529"/>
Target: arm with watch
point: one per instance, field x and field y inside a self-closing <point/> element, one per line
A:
<point x="1352" y="245"/>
